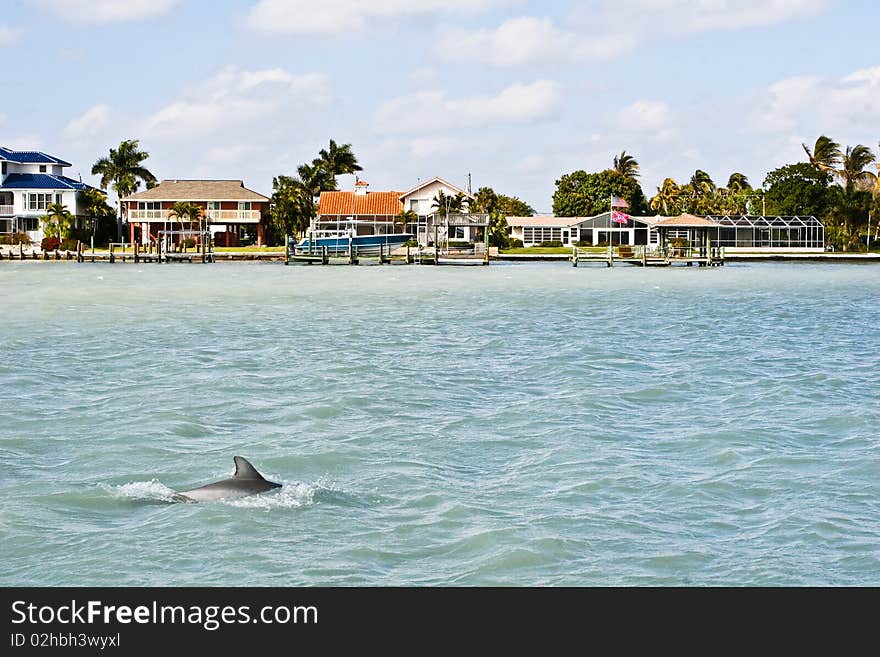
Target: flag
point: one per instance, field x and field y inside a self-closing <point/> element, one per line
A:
<point x="619" y="217"/>
<point x="617" y="202"/>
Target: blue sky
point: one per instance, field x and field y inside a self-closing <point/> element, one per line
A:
<point x="514" y="92"/>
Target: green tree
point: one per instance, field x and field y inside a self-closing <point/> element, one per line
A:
<point x="499" y="207"/>
<point x="124" y="171"/>
<point x="293" y="208"/>
<point x="92" y="203"/>
<point x="825" y="154"/>
<point x="852" y="172"/>
<point x="186" y="212"/>
<point x="668" y="198"/>
<point x="337" y="160"/>
<point x="511" y="206"/>
<point x="443" y="204"/>
<point x="626" y="165"/>
<point x="799" y="189"/>
<point x="485" y="200"/>
<point x="405" y="218"/>
<point x="581" y="194"/>
<point x="58" y="221"/>
<point x="315" y="179"/>
<point x="738" y="182"/>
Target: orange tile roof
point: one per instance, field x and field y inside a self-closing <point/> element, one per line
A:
<point x="350" y="204"/>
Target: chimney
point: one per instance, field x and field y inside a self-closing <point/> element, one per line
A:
<point x="361" y="187"/>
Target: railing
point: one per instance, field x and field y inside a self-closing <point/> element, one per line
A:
<point x="218" y="216"/>
<point x="6" y="211"/>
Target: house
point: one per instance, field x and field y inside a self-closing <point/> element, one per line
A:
<point x="31" y="181"/>
<point x="370" y="213"/>
<point x="736" y="233"/>
<point x="232" y="211"/>
<point x="605" y="228"/>
<point x="377" y="213"/>
<point x="420" y="201"/>
<point x="532" y="231"/>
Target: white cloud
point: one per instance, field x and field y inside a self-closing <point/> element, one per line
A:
<point x="527" y="41"/>
<point x="430" y="111"/>
<point x="645" y="116"/>
<point x="604" y="30"/>
<point x="848" y="106"/>
<point x="106" y="11"/>
<point x="90" y="124"/>
<point x="10" y="35"/>
<point x="345" y="16"/>
<point x="236" y="99"/>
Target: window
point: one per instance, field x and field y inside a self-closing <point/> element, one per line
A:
<point x="58" y="198"/>
<point x="39" y="201"/>
<point x="42" y="168"/>
<point x="213" y="205"/>
<point x="4" y="168"/>
<point x="536" y="235"/>
<point x="29" y="224"/>
<point x="244" y="206"/>
<point x="414" y="206"/>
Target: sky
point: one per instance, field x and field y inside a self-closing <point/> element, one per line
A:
<point x="514" y="92"/>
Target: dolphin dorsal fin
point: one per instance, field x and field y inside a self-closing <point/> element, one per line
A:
<point x="244" y="470"/>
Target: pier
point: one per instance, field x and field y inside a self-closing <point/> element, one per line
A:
<point x="706" y="256"/>
<point x="407" y="255"/>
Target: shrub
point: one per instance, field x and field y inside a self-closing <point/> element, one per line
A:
<point x="515" y="243"/>
<point x="189" y="242"/>
<point x="50" y="243"/>
<point x="551" y="243"/>
<point x="411" y="243"/>
<point x="68" y="245"/>
<point x="583" y="243"/>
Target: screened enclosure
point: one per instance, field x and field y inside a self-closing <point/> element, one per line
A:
<point x="746" y="231"/>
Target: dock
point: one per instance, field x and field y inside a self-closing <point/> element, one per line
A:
<point x="409" y="256"/>
<point x="643" y="257"/>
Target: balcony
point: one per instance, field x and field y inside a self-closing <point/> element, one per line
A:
<point x="6" y="211"/>
<point x="214" y="216"/>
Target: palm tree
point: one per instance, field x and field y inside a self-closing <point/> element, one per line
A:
<point x="825" y="154"/>
<point x="186" y="211"/>
<point x="406" y="217"/>
<point x="123" y="170"/>
<point x="316" y="179"/>
<point x="667" y="197"/>
<point x="702" y="183"/>
<point x="627" y="166"/>
<point x="852" y="174"/>
<point x="336" y="161"/>
<point x="738" y="182"/>
<point x="58" y="221"/>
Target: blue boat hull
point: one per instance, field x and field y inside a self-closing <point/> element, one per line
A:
<point x="366" y="245"/>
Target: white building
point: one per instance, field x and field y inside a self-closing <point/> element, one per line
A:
<point x="605" y="228"/>
<point x="420" y="200"/>
<point x="30" y="182"/>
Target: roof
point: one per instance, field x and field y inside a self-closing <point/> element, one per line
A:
<point x="599" y="221"/>
<point x="198" y="190"/>
<point x="351" y="204"/>
<point x="41" y="181"/>
<point x="686" y="221"/>
<point x="543" y="220"/>
<point x="29" y="157"/>
<point x="437" y="179"/>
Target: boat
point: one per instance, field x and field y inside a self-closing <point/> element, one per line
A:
<point x="343" y="242"/>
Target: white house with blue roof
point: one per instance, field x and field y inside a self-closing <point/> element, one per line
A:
<point x="31" y="181"/>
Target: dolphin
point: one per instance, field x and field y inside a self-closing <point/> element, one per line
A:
<point x="245" y="481"/>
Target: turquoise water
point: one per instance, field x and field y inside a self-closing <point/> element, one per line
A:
<point x="512" y="425"/>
